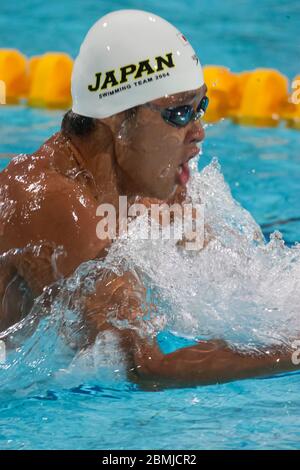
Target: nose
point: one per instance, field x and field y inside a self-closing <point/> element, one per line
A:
<point x="195" y="134"/>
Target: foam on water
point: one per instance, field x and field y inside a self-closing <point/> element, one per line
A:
<point x="238" y="288"/>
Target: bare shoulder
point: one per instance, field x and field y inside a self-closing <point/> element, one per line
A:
<point x="39" y="204"/>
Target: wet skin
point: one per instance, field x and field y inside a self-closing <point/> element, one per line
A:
<point x="48" y="228"/>
<point x="49" y="199"/>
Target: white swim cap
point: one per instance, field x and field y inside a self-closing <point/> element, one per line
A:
<point x="130" y="57"/>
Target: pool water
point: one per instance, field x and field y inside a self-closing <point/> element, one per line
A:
<point x="48" y="400"/>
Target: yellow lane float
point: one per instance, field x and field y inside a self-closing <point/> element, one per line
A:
<point x="13" y="74"/>
<point x="50" y="81"/>
<point x="258" y="97"/>
<point x="264" y="96"/>
<point x="224" y="92"/>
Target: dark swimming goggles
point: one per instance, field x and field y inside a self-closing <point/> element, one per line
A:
<point x="180" y="116"/>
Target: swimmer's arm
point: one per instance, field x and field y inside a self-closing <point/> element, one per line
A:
<point x="207" y="363"/>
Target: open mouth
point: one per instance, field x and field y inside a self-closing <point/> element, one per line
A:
<point x="183" y="171"/>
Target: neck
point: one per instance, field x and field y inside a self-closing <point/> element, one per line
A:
<point x="95" y="156"/>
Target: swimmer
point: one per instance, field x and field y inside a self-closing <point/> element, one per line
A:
<point x="138" y="96"/>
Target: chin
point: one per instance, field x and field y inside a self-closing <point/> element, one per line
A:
<point x="167" y="196"/>
<point x="162" y="192"/>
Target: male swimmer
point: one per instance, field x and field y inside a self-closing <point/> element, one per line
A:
<point x="138" y="93"/>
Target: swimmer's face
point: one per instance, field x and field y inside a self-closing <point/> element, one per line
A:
<point x="151" y="154"/>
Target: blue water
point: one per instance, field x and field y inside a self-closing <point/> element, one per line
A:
<point x="240" y="34"/>
<point x="262" y="167"/>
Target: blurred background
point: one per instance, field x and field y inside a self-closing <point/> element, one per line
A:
<point x="240" y="34"/>
<point x="41" y="408"/>
<point x="260" y="164"/>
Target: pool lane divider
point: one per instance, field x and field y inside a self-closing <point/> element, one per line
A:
<point x="261" y="97"/>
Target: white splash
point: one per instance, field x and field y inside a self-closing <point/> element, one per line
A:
<point x="238" y="288"/>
